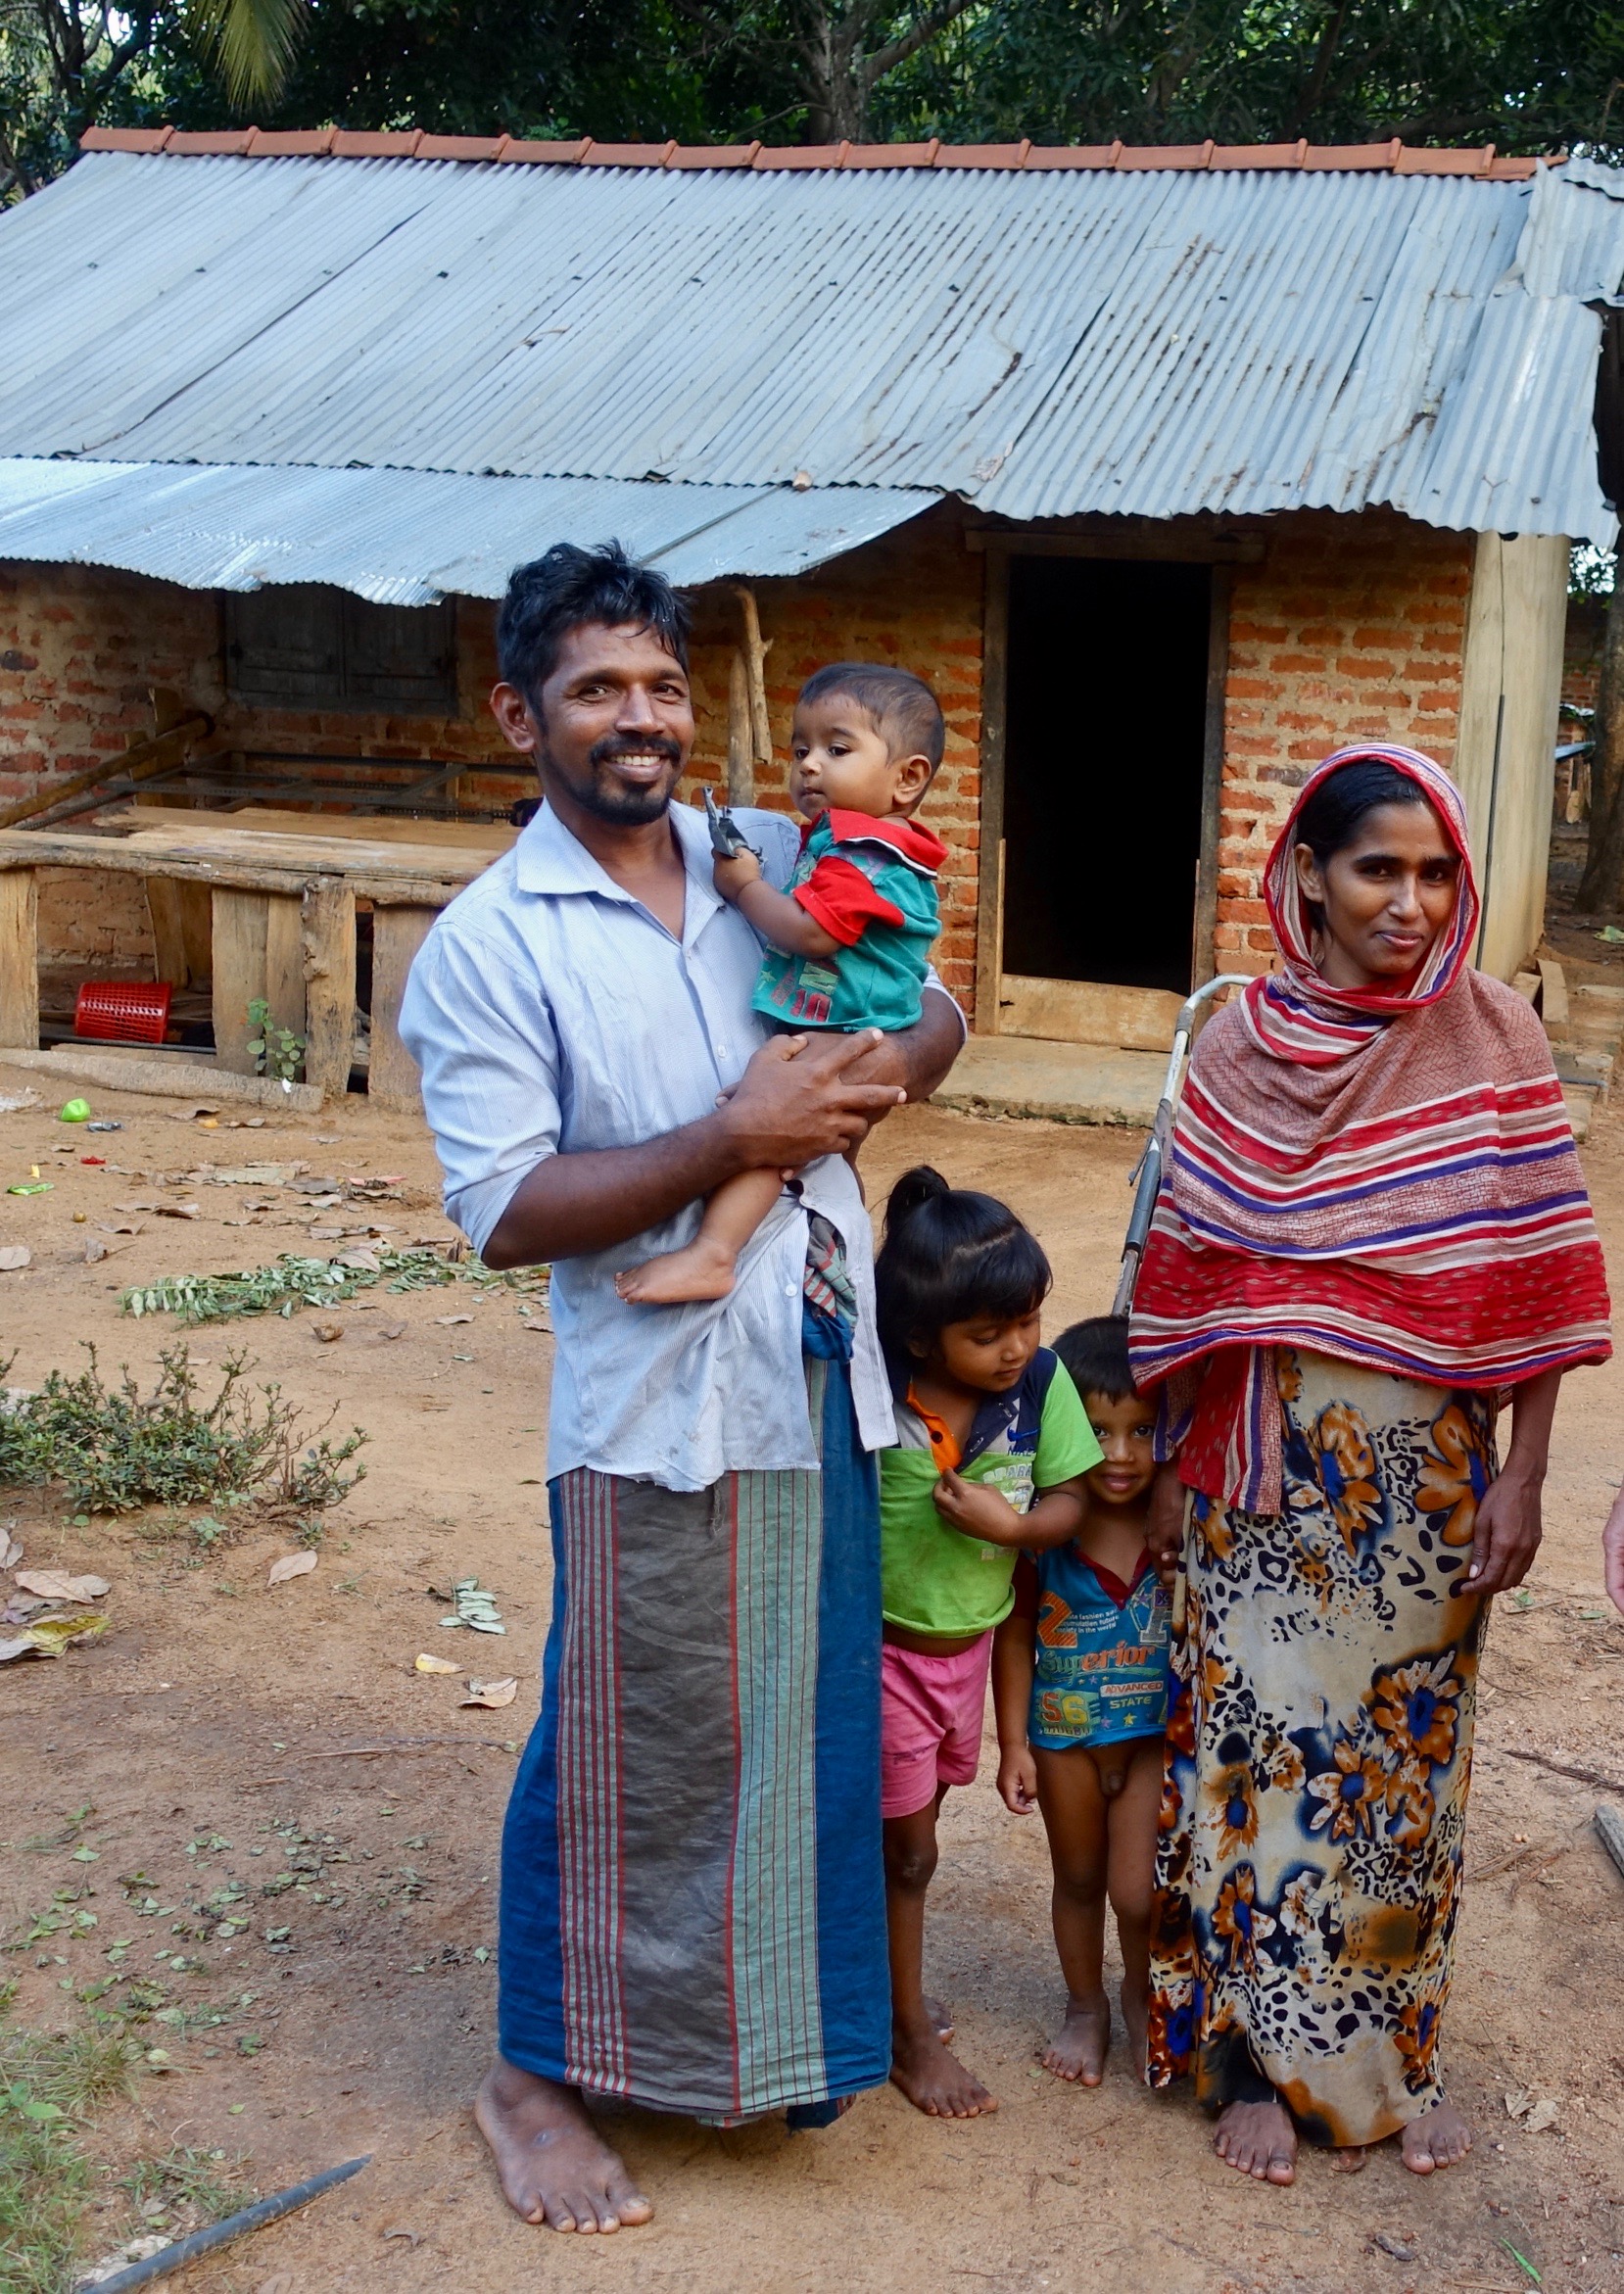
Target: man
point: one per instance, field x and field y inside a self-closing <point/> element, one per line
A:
<point x="693" y="1911"/>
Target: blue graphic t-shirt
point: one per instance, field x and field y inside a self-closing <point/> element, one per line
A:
<point x="1102" y="1650"/>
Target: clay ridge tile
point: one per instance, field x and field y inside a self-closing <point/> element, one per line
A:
<point x="1393" y="157"/>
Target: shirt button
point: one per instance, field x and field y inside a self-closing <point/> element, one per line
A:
<point x="721" y="1051"/>
<point x="789" y="1290"/>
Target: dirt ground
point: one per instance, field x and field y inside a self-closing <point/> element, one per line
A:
<point x="215" y="1726"/>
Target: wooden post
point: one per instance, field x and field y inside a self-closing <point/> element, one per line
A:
<point x="329" y="950"/>
<point x="19" y="959"/>
<point x="741" y="733"/>
<point x="397" y="935"/>
<point x="259" y="951"/>
<point x="756" y="675"/>
<point x="989" y="902"/>
<point x="168" y="932"/>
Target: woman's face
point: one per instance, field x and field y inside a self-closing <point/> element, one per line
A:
<point x="1385" y="896"/>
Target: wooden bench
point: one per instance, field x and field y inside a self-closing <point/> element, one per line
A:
<point x="282" y="926"/>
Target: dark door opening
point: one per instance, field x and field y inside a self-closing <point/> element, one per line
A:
<point x="1106" y="717"/>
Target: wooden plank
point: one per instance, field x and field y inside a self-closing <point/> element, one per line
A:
<point x="196" y="1079"/>
<point x="1203" y="954"/>
<point x="397" y="935"/>
<point x="329" y="951"/>
<point x="141" y="758"/>
<point x="1081" y="1011"/>
<point x="241" y="921"/>
<point x="168" y="932"/>
<point x="491" y="838"/>
<point x="990" y="897"/>
<point x="19" y="960"/>
<point x="284" y="988"/>
<point x="371" y="872"/>
<point x="1163" y="539"/>
<point x="413" y="862"/>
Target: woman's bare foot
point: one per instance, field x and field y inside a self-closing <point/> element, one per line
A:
<point x="1079" y="2049"/>
<point x="1136" y="2015"/>
<point x="703" y="1270"/>
<point x="1257" y="2140"/>
<point x="1440" y="2137"/>
<point x="941" y="2018"/>
<point x="933" y="2080"/>
<point x="555" y="2166"/>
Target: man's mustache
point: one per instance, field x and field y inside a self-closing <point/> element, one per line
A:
<point x="616" y="745"/>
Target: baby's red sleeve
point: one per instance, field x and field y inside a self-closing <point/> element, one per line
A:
<point x="841" y="897"/>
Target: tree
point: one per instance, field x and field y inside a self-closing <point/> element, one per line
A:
<point x="63" y="62"/>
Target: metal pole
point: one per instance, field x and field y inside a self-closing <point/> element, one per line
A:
<point x="1147" y="1172"/>
<point x="254" y="2218"/>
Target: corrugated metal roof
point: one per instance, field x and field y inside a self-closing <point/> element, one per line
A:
<point x="407" y="537"/>
<point x="1043" y="341"/>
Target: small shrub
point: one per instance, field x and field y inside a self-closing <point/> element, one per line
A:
<point x="275" y="1051"/>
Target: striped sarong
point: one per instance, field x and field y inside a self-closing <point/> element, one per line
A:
<point x="693" y="1900"/>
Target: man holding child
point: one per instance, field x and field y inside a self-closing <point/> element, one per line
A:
<point x="692" y="1903"/>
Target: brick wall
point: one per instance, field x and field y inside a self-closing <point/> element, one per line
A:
<point x="1348" y="630"/>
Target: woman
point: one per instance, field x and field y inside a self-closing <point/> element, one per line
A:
<point x="1375" y="1222"/>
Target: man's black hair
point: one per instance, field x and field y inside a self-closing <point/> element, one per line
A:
<point x="950" y="1256"/>
<point x="900" y="706"/>
<point x="569" y="586"/>
<point x="1095" y="1352"/>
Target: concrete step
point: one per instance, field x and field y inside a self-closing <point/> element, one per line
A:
<point x="1024" y="1075"/>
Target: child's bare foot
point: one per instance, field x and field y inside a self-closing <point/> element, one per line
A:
<point x="941" y="2018"/>
<point x="1079" y="2049"/>
<point x="1136" y="2015"/>
<point x="935" y="2080"/>
<point x="1440" y="2137"/>
<point x="1257" y="2140"/>
<point x="556" y="2167"/>
<point x="704" y="1270"/>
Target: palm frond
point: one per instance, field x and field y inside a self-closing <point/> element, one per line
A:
<point x="250" y="42"/>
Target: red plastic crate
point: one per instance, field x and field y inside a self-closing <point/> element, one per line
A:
<point x="122" y="1011"/>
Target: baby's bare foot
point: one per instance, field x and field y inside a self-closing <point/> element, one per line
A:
<point x="1136" y="2015"/>
<point x="1079" y="2049"/>
<point x="1440" y="2137"/>
<point x="556" y="2167"/>
<point x="941" y="2018"/>
<point x="702" y="1271"/>
<point x="935" y="2080"/>
<point x="1257" y="2140"/>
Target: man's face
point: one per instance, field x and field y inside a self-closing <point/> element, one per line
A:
<point x="611" y="728"/>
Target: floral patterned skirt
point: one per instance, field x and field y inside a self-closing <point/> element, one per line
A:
<point x="1319" y="1755"/>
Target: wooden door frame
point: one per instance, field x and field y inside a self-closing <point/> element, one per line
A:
<point x="1221" y="552"/>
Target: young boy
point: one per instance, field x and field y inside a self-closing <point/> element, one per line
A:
<point x="1080" y="1677"/>
<point x="849" y="942"/>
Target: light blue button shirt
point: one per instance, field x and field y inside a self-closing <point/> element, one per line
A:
<point x="551" y="1012"/>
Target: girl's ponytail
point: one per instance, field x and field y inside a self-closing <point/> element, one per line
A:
<point x="913" y="1189"/>
<point x="950" y="1254"/>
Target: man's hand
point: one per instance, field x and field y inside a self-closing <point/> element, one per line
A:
<point x="797" y="1100"/>
<point x="1165" y="1525"/>
<point x="732" y="876"/>
<point x="1018" y="1780"/>
<point x="979" y="1510"/>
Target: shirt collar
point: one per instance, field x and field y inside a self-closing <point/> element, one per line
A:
<point x="906" y="838"/>
<point x="548" y="859"/>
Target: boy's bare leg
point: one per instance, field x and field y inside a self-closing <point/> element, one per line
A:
<point x="705" y="1268"/>
<point x="556" y="2167"/>
<point x="1131" y="1825"/>
<point x="932" y="2078"/>
<point x="1076" y="1815"/>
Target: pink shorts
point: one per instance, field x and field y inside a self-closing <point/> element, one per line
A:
<point x="930" y="1714"/>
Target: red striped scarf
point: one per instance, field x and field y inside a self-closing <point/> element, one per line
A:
<point x="1390" y="1179"/>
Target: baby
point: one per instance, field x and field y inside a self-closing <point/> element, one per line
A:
<point x="1080" y="1682"/>
<point x="849" y="942"/>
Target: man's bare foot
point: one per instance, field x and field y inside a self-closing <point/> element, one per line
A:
<point x="941" y="2018"/>
<point x="1136" y="2015"/>
<point x="1257" y="2140"/>
<point x="1079" y="2049"/>
<point x="704" y="1270"/>
<point x="1440" y="2137"/>
<point x="555" y="2166"/>
<point x="935" y="2080"/>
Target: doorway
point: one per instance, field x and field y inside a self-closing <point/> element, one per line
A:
<point x="1109" y="790"/>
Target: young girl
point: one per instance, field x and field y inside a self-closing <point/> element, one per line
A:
<point x="1081" y="1689"/>
<point x="991" y="1446"/>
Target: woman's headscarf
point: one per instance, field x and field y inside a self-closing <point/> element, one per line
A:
<point x="1385" y="1177"/>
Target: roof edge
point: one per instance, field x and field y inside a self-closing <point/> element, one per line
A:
<point x="1395" y="158"/>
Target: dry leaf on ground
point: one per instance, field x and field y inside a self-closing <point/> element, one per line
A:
<point x="52" y="1634"/>
<point x="10" y="1552"/>
<point x="326" y="1333"/>
<point x="14" y="1257"/>
<point x="12" y="1102"/>
<point x="290" y="1565"/>
<point x="491" y="1694"/>
<point x="435" y="1665"/>
<point x="1544" y="2114"/>
<point x="446" y="1320"/>
<point x="56" y="1585"/>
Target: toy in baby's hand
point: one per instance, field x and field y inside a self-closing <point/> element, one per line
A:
<point x="727" y="838"/>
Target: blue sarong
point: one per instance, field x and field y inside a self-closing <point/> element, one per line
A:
<point x="692" y="1897"/>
